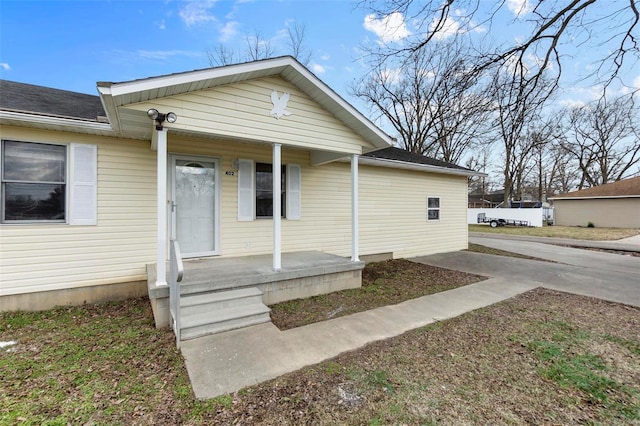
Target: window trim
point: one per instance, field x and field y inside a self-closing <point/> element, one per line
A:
<point x="66" y="184"/>
<point x="81" y="184"/>
<point x="437" y="209"/>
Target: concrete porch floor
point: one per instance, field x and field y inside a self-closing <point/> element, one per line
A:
<point x="303" y="274"/>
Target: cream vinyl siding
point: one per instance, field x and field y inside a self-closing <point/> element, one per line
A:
<point x="40" y="257"/>
<point x="393" y="212"/>
<point x="242" y="111"/>
<point x="393" y="206"/>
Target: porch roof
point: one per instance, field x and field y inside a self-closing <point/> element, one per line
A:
<point x="132" y="123"/>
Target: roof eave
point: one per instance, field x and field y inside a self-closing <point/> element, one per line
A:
<point x="596" y="197"/>
<point x="396" y="164"/>
<point x="45" y="121"/>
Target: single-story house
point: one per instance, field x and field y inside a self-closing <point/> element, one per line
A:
<point x="239" y="164"/>
<point x="613" y="205"/>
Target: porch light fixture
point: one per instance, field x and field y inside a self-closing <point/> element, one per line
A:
<point x="159" y="117"/>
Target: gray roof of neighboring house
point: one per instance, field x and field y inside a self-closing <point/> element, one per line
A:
<point x="399" y="154"/>
<point x="47" y="101"/>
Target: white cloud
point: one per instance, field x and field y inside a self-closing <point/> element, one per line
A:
<point x="196" y="12"/>
<point x="162" y="25"/>
<point x="5" y="66"/>
<point x="391" y="75"/>
<point x="519" y="7"/>
<point x="317" y="68"/>
<point x="229" y="30"/>
<point x="449" y="27"/>
<point x="325" y="57"/>
<point x="389" y="28"/>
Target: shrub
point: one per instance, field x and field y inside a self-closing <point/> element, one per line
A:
<point x="590" y="225"/>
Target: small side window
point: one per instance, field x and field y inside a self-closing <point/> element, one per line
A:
<point x="433" y="208"/>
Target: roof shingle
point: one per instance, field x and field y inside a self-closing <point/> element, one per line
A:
<point x="23" y="97"/>
<point x="399" y="154"/>
<point x="622" y="188"/>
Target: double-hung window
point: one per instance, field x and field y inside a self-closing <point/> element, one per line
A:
<point x="48" y="183"/>
<point x="264" y="190"/>
<point x="433" y="208"/>
<point x="255" y="190"/>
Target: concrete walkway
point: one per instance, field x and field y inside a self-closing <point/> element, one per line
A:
<point x="229" y="361"/>
<point x="626" y="244"/>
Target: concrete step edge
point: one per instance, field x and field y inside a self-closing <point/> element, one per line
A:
<point x="222" y="315"/>
<point x="208" y="329"/>
<point x="218" y="296"/>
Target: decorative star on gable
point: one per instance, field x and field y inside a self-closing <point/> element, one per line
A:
<point x="279" y="104"/>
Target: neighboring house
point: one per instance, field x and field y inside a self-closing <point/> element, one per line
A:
<point x="93" y="188"/>
<point x="614" y="205"/>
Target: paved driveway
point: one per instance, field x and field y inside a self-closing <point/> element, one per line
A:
<point x="590" y="273"/>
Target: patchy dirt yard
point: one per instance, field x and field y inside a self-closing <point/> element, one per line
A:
<point x="383" y="283"/>
<point x="541" y="358"/>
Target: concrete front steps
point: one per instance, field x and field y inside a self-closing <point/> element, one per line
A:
<point x="202" y="314"/>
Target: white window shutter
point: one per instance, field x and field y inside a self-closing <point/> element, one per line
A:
<point x="246" y="190"/>
<point x="83" y="184"/>
<point x="294" y="185"/>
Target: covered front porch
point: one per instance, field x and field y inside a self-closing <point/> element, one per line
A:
<point x="262" y="159"/>
<point x="232" y="290"/>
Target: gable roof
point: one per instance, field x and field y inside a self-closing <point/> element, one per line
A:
<point x="400" y="158"/>
<point x="21" y="97"/>
<point x="620" y="189"/>
<point x="116" y="95"/>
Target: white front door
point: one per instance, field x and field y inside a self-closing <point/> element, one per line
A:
<point x="194" y="209"/>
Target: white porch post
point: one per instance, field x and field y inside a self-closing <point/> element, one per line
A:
<point x="161" y="254"/>
<point x="277" y="209"/>
<point x="354" y="209"/>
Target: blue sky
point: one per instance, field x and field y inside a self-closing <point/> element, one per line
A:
<point x="73" y="44"/>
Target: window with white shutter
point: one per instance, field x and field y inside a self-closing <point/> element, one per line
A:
<point x="255" y="199"/>
<point x="35" y="188"/>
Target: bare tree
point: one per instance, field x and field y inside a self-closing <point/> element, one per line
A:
<point x="602" y="137"/>
<point x="519" y="126"/>
<point x="296" y="38"/>
<point x="555" y="27"/>
<point x="257" y="47"/>
<point x="433" y="104"/>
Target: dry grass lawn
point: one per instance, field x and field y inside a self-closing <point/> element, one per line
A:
<point x="540" y="358"/>
<point x="573" y="232"/>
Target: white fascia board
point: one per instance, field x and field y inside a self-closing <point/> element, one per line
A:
<point x="110" y="108"/>
<point x="386" y="139"/>
<point x="125" y="88"/>
<point x="71" y="124"/>
<point x="601" y="197"/>
<point x="395" y="164"/>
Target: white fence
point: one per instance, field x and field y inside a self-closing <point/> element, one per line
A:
<point x="533" y="216"/>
